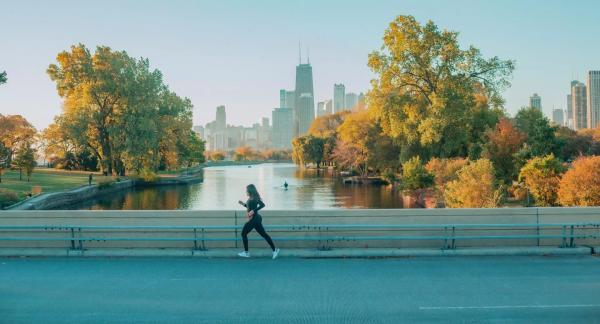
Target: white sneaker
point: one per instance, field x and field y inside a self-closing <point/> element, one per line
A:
<point x="244" y="254"/>
<point x="275" y="254"/>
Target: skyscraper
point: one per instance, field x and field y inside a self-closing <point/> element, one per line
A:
<point x="221" y="117"/>
<point x="558" y="117"/>
<point x="579" y="105"/>
<point x="351" y="100"/>
<point x="329" y="107"/>
<point x="339" y="97"/>
<point x="305" y="102"/>
<point x="535" y="101"/>
<point x="290" y="100"/>
<point x="282" y="98"/>
<point x="569" y="117"/>
<point x="321" y="109"/>
<point x="283" y="133"/>
<point x="593" y="99"/>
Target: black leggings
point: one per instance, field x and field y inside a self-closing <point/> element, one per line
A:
<point x="256" y="223"/>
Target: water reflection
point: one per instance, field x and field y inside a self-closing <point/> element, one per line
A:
<point x="224" y="186"/>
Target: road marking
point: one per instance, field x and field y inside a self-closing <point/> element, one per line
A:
<point x="505" y="307"/>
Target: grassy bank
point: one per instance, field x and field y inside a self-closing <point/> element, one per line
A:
<point x="47" y="180"/>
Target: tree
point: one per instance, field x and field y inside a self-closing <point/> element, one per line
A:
<point x="3" y="78"/>
<point x="350" y="156"/>
<point x="541" y="139"/>
<point x="15" y="132"/>
<point x="541" y="176"/>
<point x="308" y="149"/>
<point x="580" y="185"/>
<point x="475" y="187"/>
<point x="575" y="143"/>
<point x="502" y="144"/>
<point x="360" y="132"/>
<point x="25" y="160"/>
<point x="427" y="89"/>
<point x="245" y="153"/>
<point x="119" y="108"/>
<point x="216" y="156"/>
<point x="444" y="171"/>
<point x="327" y="125"/>
<point x="415" y="176"/>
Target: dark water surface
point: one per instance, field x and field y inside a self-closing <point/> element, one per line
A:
<point x="224" y="186"/>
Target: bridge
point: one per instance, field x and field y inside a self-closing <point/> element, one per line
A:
<point x="507" y="265"/>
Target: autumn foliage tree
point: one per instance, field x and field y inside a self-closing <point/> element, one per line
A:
<point x="430" y="93"/>
<point x="503" y="142"/>
<point x="15" y="133"/>
<point x="118" y="108"/>
<point x="475" y="187"/>
<point x="541" y="176"/>
<point x="444" y="171"/>
<point x="580" y="185"/>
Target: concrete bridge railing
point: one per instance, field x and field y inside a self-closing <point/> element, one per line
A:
<point x="397" y="228"/>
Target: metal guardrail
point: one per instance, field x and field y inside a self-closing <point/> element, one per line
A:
<point x="324" y="233"/>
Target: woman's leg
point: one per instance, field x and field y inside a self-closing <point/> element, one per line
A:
<point x="261" y="230"/>
<point x="247" y="228"/>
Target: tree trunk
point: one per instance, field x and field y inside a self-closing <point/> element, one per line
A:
<point x="20" y="174"/>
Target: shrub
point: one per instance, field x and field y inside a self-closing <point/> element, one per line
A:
<point x="580" y="185"/>
<point x="444" y="170"/>
<point x="414" y="175"/>
<point x="475" y="187"/>
<point x="7" y="198"/>
<point x="541" y="176"/>
<point x="146" y="175"/>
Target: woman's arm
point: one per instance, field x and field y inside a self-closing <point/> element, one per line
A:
<point x="259" y="205"/>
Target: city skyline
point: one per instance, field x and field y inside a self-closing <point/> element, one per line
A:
<point x="207" y="52"/>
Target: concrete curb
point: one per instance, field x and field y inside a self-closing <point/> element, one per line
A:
<point x="296" y="253"/>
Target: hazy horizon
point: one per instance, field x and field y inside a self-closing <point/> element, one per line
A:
<point x="239" y="54"/>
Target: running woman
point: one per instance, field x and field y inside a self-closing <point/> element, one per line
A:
<point x="253" y="205"/>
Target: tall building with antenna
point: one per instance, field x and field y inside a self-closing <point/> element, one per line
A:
<point x="304" y="112"/>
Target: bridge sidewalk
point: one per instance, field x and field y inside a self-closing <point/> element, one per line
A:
<point x="297" y="253"/>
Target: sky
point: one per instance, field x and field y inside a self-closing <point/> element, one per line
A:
<point x="240" y="53"/>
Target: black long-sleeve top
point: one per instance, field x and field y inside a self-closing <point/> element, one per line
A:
<point x="254" y="204"/>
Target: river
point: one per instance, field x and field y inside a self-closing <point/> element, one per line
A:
<point x="224" y="186"/>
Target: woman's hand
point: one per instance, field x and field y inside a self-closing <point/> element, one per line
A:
<point x="250" y="214"/>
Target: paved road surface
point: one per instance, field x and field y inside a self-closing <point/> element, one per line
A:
<point x="186" y="290"/>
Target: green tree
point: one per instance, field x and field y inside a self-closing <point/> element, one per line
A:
<point x="308" y="149"/>
<point x="415" y="176"/>
<point x="118" y="108"/>
<point x="541" y="176"/>
<point x="432" y="94"/>
<point x="25" y="160"/>
<point x="475" y="187"/>
<point x="3" y="78"/>
<point x="541" y="139"/>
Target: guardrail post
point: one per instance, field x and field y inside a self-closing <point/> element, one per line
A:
<point x="203" y="245"/>
<point x="195" y="239"/>
<point x="572" y="241"/>
<point x="72" y="238"/>
<point x="235" y="230"/>
<point x="453" y="239"/>
<point x="80" y="241"/>
<point x="445" y="246"/>
<point x="564" y="236"/>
